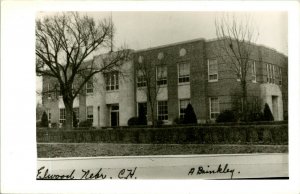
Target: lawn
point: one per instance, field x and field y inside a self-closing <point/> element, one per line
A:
<point x="52" y="150"/>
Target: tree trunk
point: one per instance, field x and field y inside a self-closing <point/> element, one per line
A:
<point x="245" y="104"/>
<point x="69" y="114"/>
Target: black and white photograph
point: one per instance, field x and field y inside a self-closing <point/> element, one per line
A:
<point x="170" y="94"/>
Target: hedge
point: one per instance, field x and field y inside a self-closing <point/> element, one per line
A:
<point x="238" y="134"/>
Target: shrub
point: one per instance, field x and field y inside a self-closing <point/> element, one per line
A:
<point x="44" y="121"/>
<point x="226" y="116"/>
<point x="178" y="121"/>
<point x="86" y="123"/>
<point x="75" y="122"/>
<point x="268" y="116"/>
<point x="38" y="124"/>
<point x="142" y="116"/>
<point x="189" y="116"/>
<point x="133" y="121"/>
<point x="54" y="125"/>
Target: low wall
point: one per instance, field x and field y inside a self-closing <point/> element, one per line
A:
<point x="251" y="134"/>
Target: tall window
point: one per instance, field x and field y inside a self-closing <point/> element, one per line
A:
<point x="239" y="76"/>
<point x="48" y="91"/>
<point x="253" y="71"/>
<point x="161" y="75"/>
<point x="212" y="70"/>
<point x="162" y="110"/>
<point x="214" y="108"/>
<point x="270" y="73"/>
<point x="182" y="106"/>
<point x="112" y="80"/>
<point x="89" y="114"/>
<point x="62" y="115"/>
<point x="76" y="111"/>
<point x="49" y="116"/>
<point x="89" y="87"/>
<point x="141" y="79"/>
<point x="280" y="76"/>
<point x="184" y="73"/>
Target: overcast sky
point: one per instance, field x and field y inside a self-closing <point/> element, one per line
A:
<point x="140" y="30"/>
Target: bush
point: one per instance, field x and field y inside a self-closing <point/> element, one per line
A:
<point x="268" y="116"/>
<point x="142" y="116"/>
<point x="256" y="116"/>
<point x="189" y="116"/>
<point x="86" y="123"/>
<point x="38" y="124"/>
<point x="75" y="123"/>
<point x="178" y="121"/>
<point x="226" y="116"/>
<point x="44" y="121"/>
<point x="133" y="121"/>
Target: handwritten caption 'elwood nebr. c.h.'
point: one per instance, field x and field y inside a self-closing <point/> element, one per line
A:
<point x="231" y="166"/>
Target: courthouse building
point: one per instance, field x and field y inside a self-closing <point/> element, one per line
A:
<point x="184" y="72"/>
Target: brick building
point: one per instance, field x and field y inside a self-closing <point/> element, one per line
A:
<point x="185" y="72"/>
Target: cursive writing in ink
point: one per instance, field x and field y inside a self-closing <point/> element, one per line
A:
<point x="220" y="170"/>
<point x="88" y="175"/>
<point x="49" y="176"/>
<point x="127" y="173"/>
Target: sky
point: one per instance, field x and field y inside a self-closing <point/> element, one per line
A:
<point x="141" y="30"/>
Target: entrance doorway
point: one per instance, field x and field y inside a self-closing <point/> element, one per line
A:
<point x="114" y="115"/>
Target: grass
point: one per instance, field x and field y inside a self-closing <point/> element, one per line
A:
<point x="53" y="150"/>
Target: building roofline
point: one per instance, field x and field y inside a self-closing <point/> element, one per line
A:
<point x="201" y="39"/>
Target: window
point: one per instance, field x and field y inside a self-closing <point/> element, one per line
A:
<point x="162" y="110"/>
<point x="280" y="76"/>
<point x="239" y="74"/>
<point x="89" y="87"/>
<point x="270" y="73"/>
<point x="49" y="116"/>
<point x="253" y="71"/>
<point x="182" y="106"/>
<point x="161" y="75"/>
<point x="141" y="79"/>
<point x="112" y="80"/>
<point x="212" y="70"/>
<point x="89" y="114"/>
<point x="62" y="115"/>
<point x="273" y="74"/>
<point x="184" y="73"/>
<point x="214" y="108"/>
<point x="48" y="91"/>
<point x="76" y="111"/>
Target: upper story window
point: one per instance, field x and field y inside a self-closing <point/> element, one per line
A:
<point x="161" y="75"/>
<point x="214" y="107"/>
<point x="89" y="87"/>
<point x="162" y="110"/>
<point x="184" y="73"/>
<point x="253" y="71"/>
<point x="280" y="76"/>
<point x="212" y="69"/>
<point x="141" y="79"/>
<point x="270" y="73"/>
<point x="239" y="75"/>
<point x="49" y="116"/>
<point x="48" y="91"/>
<point x="112" y="80"/>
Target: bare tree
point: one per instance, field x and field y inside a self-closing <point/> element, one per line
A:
<point x="63" y="44"/>
<point x="151" y="76"/>
<point x="235" y="48"/>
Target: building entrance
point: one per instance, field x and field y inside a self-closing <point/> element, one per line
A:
<point x="114" y="115"/>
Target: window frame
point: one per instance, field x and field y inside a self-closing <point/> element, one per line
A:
<point x="210" y="108"/>
<point x="184" y="79"/>
<point x="87" y="114"/>
<point x="111" y="81"/>
<point x="163" y="81"/>
<point x="208" y="70"/>
<point x="165" y="114"/>
<point x="62" y="115"/>
<point x="89" y="87"/>
<point x="140" y="80"/>
<point x="253" y="72"/>
<point x="77" y="113"/>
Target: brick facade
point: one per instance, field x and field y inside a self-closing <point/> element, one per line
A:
<point x="199" y="89"/>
